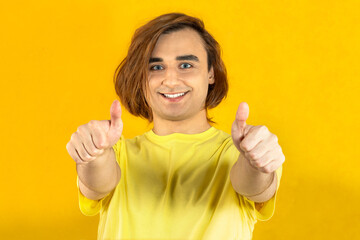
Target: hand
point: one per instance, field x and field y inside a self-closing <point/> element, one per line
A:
<point x="92" y="139"/>
<point x="256" y="143"/>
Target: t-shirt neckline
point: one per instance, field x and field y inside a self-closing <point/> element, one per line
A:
<point x="181" y="136"/>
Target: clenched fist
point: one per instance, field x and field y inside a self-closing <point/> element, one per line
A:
<point x="256" y="143"/>
<point x="92" y="139"/>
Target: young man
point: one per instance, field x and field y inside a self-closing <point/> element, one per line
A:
<point x="184" y="179"/>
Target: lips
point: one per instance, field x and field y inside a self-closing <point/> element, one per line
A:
<point x="174" y="97"/>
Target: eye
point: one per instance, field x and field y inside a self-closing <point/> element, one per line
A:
<point x="188" y="64"/>
<point x="154" y="67"/>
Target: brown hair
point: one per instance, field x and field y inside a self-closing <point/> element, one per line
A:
<point x="131" y="75"/>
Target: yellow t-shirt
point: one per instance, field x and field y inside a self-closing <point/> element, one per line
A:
<point x="176" y="187"/>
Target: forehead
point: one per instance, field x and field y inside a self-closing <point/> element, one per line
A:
<point x="184" y="41"/>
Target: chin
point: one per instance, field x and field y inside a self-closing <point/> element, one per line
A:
<point x="175" y="118"/>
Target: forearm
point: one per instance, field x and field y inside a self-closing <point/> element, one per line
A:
<point x="251" y="183"/>
<point x="102" y="174"/>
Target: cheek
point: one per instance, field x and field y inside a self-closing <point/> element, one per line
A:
<point x="153" y="76"/>
<point x="151" y="92"/>
<point x="154" y="81"/>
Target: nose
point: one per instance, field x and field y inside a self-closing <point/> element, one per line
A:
<point x="171" y="77"/>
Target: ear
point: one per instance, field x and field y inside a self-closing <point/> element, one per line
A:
<point x="211" y="75"/>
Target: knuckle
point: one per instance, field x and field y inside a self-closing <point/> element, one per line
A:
<point x="280" y="149"/>
<point x="252" y="163"/>
<point x="258" y="164"/>
<point x="244" y="146"/>
<point x="103" y="143"/>
<point x="81" y="128"/>
<point x="253" y="155"/>
<point x="68" y="146"/>
<point x="92" y="123"/>
<point x="84" y="155"/>
<point x="78" y="160"/>
<point x="97" y="151"/>
<point x="267" y="169"/>
<point x="94" y="151"/>
<point x="90" y="151"/>
<point x="74" y="156"/>
<point x="275" y="137"/>
<point x="263" y="128"/>
<point x="87" y="158"/>
<point x="72" y="138"/>
<point x="98" y="141"/>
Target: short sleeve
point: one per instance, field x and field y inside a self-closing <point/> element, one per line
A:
<point x="91" y="207"/>
<point x="268" y="209"/>
<point x="87" y="206"/>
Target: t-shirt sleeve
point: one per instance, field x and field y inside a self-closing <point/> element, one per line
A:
<point x="87" y="206"/>
<point x="91" y="207"/>
<point x="268" y="209"/>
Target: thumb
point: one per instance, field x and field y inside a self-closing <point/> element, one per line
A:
<point x="115" y="112"/>
<point x="240" y="128"/>
<point x="242" y="115"/>
<point x="116" y="123"/>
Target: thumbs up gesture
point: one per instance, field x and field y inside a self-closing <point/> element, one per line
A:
<point x="92" y="139"/>
<point x="256" y="143"/>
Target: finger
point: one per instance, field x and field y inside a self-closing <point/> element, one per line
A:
<point x="73" y="153"/>
<point x="264" y="146"/>
<point x="98" y="135"/>
<point x="254" y="136"/>
<point x="80" y="149"/>
<point x="238" y="135"/>
<point x="85" y="136"/>
<point x="265" y="159"/>
<point x="270" y="167"/>
<point x="278" y="159"/>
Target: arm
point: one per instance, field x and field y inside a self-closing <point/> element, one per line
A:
<point x="99" y="177"/>
<point x="253" y="174"/>
<point x="251" y="183"/>
<point x="91" y="147"/>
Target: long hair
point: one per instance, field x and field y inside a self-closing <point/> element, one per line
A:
<point x="131" y="75"/>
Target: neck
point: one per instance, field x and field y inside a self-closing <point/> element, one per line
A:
<point x="196" y="124"/>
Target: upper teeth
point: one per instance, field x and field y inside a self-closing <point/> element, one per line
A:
<point x="174" y="95"/>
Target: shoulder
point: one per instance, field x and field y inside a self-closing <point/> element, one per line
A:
<point x="223" y="138"/>
<point x="223" y="143"/>
<point x="135" y="143"/>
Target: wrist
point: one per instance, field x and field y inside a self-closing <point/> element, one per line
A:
<point x="267" y="193"/>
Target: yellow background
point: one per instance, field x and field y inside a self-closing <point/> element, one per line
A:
<point x="296" y="63"/>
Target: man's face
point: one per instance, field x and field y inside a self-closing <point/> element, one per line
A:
<point x="178" y="76"/>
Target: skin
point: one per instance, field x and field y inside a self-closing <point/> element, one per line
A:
<point x="261" y="155"/>
<point x="260" y="152"/>
<point x="175" y="76"/>
<point x="91" y="148"/>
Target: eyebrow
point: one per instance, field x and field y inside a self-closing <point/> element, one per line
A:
<point x="183" y="57"/>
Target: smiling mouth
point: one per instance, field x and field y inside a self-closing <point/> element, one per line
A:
<point x="174" y="95"/>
